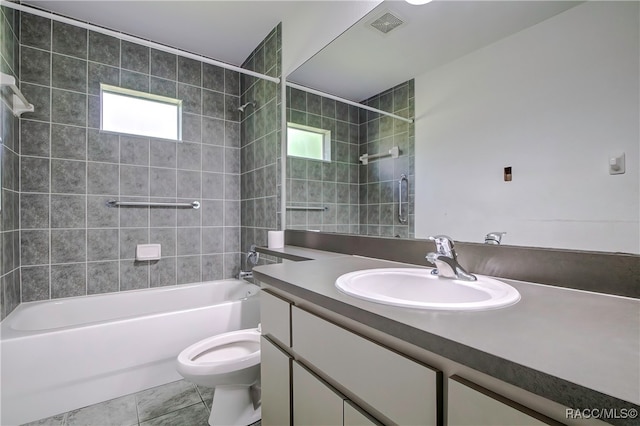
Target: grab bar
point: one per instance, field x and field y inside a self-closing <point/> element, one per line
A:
<point x="402" y="219"/>
<point x="307" y="208"/>
<point x="115" y="203"/>
<point x="393" y="152"/>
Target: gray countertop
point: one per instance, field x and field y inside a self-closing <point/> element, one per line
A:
<point x="577" y="348"/>
<point x="298" y="253"/>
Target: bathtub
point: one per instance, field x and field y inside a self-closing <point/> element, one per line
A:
<point x="60" y="355"/>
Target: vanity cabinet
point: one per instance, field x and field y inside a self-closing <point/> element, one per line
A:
<point x="402" y="390"/>
<point x="388" y="385"/>
<point x="275" y="373"/>
<point x="315" y="371"/>
<point x="314" y="403"/>
<point x="275" y="318"/>
<point x="472" y="405"/>
<point x="355" y="416"/>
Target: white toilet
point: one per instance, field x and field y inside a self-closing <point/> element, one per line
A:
<point x="230" y="363"/>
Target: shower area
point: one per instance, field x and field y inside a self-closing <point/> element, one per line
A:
<point x="367" y="188"/>
<point x="59" y="170"/>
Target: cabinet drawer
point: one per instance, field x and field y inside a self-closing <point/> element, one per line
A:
<point x="275" y="317"/>
<point x="353" y="416"/>
<point x="314" y="403"/>
<point x="472" y="405"/>
<point x="403" y="390"/>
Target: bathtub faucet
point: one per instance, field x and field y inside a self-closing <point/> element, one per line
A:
<point x="252" y="255"/>
<point x="245" y="274"/>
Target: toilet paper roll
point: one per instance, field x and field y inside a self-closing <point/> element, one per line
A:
<point x="275" y="239"/>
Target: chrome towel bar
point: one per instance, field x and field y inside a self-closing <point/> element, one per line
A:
<point x="307" y="208"/>
<point x="393" y="152"/>
<point x="115" y="203"/>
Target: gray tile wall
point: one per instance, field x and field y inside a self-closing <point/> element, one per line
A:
<point x="10" y="179"/>
<point x="361" y="199"/>
<point x="72" y="244"/>
<point x="260" y="166"/>
<point x="379" y="191"/>
<point x="313" y="183"/>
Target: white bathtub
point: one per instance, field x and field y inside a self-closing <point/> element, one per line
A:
<point x="60" y="355"/>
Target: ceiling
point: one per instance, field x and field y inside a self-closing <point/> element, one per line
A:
<point x="227" y="31"/>
<point x="363" y="62"/>
<point x="356" y="65"/>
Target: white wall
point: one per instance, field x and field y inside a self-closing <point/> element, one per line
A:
<point x="553" y="102"/>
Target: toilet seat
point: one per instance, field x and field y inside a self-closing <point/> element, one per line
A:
<point x="222" y="353"/>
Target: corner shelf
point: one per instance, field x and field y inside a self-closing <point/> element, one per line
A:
<point x="19" y="102"/>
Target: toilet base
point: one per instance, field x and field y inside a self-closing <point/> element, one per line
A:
<point x="235" y="405"/>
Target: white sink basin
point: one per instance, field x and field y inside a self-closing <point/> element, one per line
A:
<point x="418" y="288"/>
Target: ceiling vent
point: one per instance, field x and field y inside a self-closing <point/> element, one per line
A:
<point x="386" y="23"/>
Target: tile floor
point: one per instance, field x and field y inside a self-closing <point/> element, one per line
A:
<point x="175" y="404"/>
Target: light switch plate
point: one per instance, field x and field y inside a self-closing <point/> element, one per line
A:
<point x="616" y="164"/>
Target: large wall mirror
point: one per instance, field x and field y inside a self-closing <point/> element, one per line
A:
<point x="526" y="122"/>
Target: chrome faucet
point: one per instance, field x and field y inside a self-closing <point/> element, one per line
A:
<point x="252" y="259"/>
<point x="494" y="238"/>
<point x="245" y="274"/>
<point x="446" y="260"/>
<point x="253" y="255"/>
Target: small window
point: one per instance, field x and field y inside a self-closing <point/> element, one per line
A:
<point x="308" y="142"/>
<point x="138" y="113"/>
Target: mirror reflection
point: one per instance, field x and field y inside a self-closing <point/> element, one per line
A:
<point x="524" y="114"/>
<point x="344" y="194"/>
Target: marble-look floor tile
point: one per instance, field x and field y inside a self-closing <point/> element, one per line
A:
<point x="193" y="415"/>
<point x="164" y="399"/>
<point x="176" y="403"/>
<point x="206" y="394"/>
<point x="57" y="420"/>
<point x="115" y="412"/>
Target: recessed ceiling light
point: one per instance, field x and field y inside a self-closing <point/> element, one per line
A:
<point x="418" y="2"/>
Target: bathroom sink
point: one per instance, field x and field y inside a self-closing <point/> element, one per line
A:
<point x="418" y="288"/>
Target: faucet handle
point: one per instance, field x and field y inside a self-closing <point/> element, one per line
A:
<point x="444" y="244"/>
<point x="431" y="257"/>
<point x="252" y="255"/>
<point x="494" y="238"/>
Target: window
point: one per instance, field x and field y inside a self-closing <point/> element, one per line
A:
<point x="308" y="142"/>
<point x="138" y="113"/>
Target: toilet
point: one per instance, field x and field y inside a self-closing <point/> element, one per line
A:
<point x="230" y="363"/>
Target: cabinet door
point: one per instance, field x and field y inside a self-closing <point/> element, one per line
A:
<point x="275" y="377"/>
<point x="399" y="388"/>
<point x="473" y="405"/>
<point x="354" y="416"/>
<point x="314" y="403"/>
<point x="275" y="317"/>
